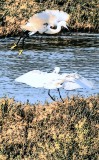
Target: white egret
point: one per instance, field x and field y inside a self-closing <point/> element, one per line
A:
<point x="54" y="80"/>
<point x="41" y="22"/>
<point x="44" y="22"/>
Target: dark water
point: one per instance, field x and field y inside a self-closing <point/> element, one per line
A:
<point x="72" y="53"/>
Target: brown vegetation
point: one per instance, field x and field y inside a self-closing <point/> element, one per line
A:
<point x="84" y="14"/>
<point x="57" y="131"/>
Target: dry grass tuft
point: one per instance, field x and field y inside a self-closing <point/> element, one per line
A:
<point x="84" y="14"/>
<point x="51" y="131"/>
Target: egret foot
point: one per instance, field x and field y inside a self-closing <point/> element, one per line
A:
<point x="20" y="52"/>
<point x="15" y="45"/>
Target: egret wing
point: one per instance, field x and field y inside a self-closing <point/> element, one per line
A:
<point x="38" y="79"/>
<point x="59" y="15"/>
<point x="84" y="83"/>
<point x="71" y="85"/>
<point x="75" y="81"/>
<point x="39" y="19"/>
<point x="33" y="78"/>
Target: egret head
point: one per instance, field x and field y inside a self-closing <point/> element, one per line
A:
<point x="56" y="70"/>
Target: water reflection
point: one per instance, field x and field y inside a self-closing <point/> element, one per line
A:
<point x="73" y="53"/>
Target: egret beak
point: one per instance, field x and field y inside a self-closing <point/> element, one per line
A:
<point x="67" y="28"/>
<point x="66" y="24"/>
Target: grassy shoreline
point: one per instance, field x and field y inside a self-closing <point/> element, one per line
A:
<point x="84" y="15"/>
<point x="54" y="131"/>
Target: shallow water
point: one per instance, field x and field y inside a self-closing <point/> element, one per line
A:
<point x="72" y="53"/>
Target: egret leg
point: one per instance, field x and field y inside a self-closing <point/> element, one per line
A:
<point x="18" y="40"/>
<point x="23" y="35"/>
<point x="23" y="40"/>
<point x="60" y="95"/>
<point x="50" y="95"/>
<point x="20" y="51"/>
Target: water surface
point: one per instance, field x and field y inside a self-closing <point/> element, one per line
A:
<point x="72" y="53"/>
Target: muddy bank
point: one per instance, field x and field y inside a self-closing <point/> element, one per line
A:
<point x="84" y="15"/>
<point x="52" y="131"/>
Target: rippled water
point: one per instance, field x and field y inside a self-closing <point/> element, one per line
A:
<point x="73" y="53"/>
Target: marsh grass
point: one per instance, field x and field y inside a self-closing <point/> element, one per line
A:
<point x="84" y="15"/>
<point x="54" y="131"/>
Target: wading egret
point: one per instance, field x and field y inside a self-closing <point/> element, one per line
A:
<point x="54" y="80"/>
<point x="41" y="22"/>
<point x="48" y="22"/>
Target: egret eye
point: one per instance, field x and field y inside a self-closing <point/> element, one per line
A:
<point x="46" y="24"/>
<point x="53" y="27"/>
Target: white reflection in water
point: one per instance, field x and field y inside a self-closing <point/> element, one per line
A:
<point x="71" y="53"/>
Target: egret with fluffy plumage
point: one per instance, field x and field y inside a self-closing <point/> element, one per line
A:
<point x="54" y="80"/>
<point x="43" y="21"/>
<point x="48" y="22"/>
